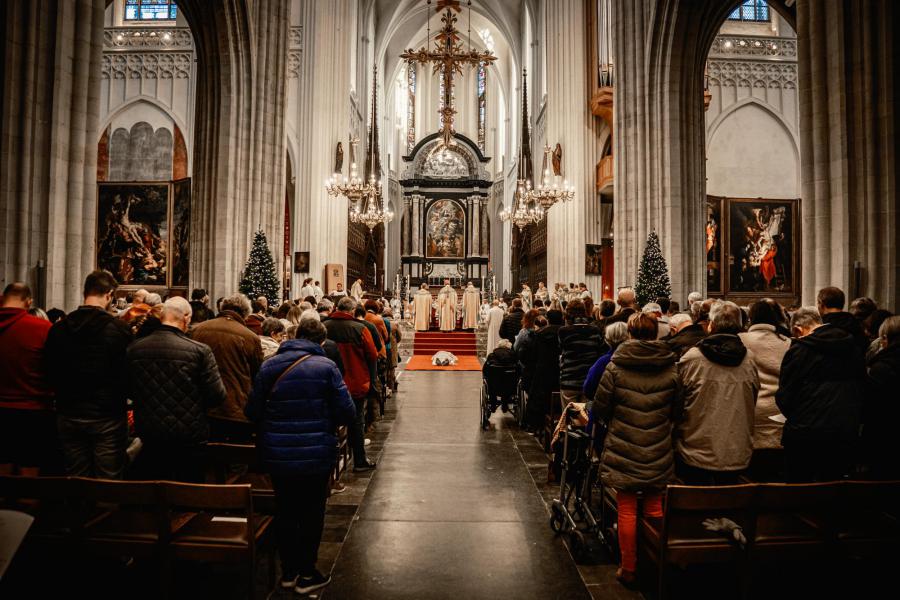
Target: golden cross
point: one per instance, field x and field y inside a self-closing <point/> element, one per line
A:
<point x="448" y="57"/>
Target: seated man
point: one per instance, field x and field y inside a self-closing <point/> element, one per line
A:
<point x="502" y="357"/>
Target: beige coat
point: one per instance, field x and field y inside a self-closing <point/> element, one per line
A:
<point x="715" y="431"/>
<point x="768" y="350"/>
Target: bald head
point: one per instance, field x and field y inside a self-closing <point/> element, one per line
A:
<point x="626" y="298"/>
<point x="176" y="312"/>
<point x="16" y="295"/>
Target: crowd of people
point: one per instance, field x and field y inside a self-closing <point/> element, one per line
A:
<point x="137" y="388"/>
<point x="713" y="393"/>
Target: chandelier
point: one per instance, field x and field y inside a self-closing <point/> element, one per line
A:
<point x="523" y="213"/>
<point x="354" y="188"/>
<point x="550" y="190"/>
<point x="371" y="211"/>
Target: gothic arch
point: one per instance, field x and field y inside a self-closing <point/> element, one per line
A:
<point x="765" y="106"/>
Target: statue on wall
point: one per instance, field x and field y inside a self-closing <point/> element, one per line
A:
<point x="557" y="160"/>
<point x="339" y="157"/>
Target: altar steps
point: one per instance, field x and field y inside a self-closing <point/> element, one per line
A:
<point x="458" y="342"/>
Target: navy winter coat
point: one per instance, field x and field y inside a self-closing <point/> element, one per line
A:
<point x="298" y="419"/>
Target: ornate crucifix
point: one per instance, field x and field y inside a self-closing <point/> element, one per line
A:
<point x="448" y="58"/>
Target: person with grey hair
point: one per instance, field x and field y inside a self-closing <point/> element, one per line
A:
<point x="684" y="333"/>
<point x="820" y="394"/>
<point x="881" y="409"/>
<point x="719" y="385"/>
<point x="271" y="337"/>
<point x="153" y="299"/>
<point x="173" y="381"/>
<point x="238" y="352"/>
<point x="614" y="334"/>
<point x="655" y="310"/>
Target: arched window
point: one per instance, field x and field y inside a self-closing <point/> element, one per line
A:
<point x="751" y="10"/>
<point x="150" y="10"/>
<point x="410" y="107"/>
<point x="482" y="104"/>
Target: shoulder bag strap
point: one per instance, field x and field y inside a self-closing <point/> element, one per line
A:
<point x="286" y="371"/>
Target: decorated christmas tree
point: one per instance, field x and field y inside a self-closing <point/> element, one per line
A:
<point x="259" y="277"/>
<point x="653" y="274"/>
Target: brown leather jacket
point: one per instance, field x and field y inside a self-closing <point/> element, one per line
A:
<point x="238" y="353"/>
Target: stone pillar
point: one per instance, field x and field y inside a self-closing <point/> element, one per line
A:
<point x="848" y="130"/>
<point x="571" y="124"/>
<point x="239" y="143"/>
<point x="475" y="225"/>
<point x="416" y="225"/>
<point x="49" y="127"/>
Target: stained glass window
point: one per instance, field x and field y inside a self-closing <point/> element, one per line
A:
<point x="410" y="107"/>
<point x="750" y="10"/>
<point x="150" y="10"/>
<point x="482" y="104"/>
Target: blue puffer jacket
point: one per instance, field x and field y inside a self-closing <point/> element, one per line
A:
<point x="297" y="420"/>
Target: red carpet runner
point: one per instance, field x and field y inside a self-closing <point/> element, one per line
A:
<point x="460" y="343"/>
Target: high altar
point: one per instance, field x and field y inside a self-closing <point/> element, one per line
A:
<point x="445" y="229"/>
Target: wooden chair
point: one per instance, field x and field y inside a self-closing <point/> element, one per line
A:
<point x="794" y="520"/>
<point x="681" y="539"/>
<point x="224" y="530"/>
<point x="222" y="457"/>
<point x="48" y="500"/>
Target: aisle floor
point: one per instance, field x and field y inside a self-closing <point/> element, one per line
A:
<point x="452" y="511"/>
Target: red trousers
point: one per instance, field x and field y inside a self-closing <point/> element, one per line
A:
<point x="628" y="514"/>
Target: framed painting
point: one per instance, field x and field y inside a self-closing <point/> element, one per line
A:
<point x="181" y="232"/>
<point x="713" y="244"/>
<point x="763" y="246"/>
<point x="445" y="226"/>
<point x="133" y="232"/>
<point x="593" y="255"/>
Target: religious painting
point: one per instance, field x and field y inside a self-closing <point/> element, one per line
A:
<point x="761" y="246"/>
<point x="592" y="257"/>
<point x="445" y="226"/>
<point x="181" y="232"/>
<point x="301" y="262"/>
<point x="713" y="244"/>
<point x="133" y="232"/>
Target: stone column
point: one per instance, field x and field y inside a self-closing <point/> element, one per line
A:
<point x="49" y="127"/>
<point x="848" y="131"/>
<point x="416" y="225"/>
<point x="239" y="143"/>
<point x="475" y="225"/>
<point x="571" y="124"/>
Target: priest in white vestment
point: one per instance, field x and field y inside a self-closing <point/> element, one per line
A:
<point x="318" y="292"/>
<point x="541" y="293"/>
<point x="526" y="297"/>
<point x="495" y="318"/>
<point x="470" y="306"/>
<point x="421" y="308"/>
<point x="356" y="290"/>
<point x="447" y="301"/>
<point x="308" y="289"/>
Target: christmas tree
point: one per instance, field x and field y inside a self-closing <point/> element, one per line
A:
<point x="653" y="274"/>
<point x="259" y="277"/>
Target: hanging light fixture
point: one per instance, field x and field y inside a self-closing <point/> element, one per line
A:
<point x="550" y="190"/>
<point x="370" y="207"/>
<point x="352" y="187"/>
<point x="524" y="210"/>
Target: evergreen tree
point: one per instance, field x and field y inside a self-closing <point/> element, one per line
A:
<point x="259" y="277"/>
<point x="653" y="274"/>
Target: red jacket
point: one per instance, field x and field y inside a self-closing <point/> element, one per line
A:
<point x="357" y="350"/>
<point x="23" y="383"/>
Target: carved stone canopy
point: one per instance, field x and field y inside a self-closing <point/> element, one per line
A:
<point x="432" y="160"/>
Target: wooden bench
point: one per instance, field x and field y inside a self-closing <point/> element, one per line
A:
<point x="222" y="460"/>
<point x="155" y="520"/>
<point x="782" y="523"/>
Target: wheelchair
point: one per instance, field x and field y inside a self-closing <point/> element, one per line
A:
<point x="497" y="382"/>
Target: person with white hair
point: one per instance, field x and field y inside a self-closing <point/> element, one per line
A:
<point x="655" y="310"/>
<point x="173" y="381"/>
<point x="273" y="331"/>
<point x="238" y="353"/>
<point x="694" y="297"/>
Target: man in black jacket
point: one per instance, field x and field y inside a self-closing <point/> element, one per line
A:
<point x="830" y="303"/>
<point x="174" y="380"/>
<point x="820" y="394"/>
<point x="512" y="322"/>
<point x="543" y="361"/>
<point x="881" y="410"/>
<point x="85" y="361"/>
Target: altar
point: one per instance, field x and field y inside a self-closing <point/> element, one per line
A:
<point x="445" y="226"/>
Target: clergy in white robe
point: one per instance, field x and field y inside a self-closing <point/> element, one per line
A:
<point x="447" y="301"/>
<point x="541" y="293"/>
<point x="421" y="308"/>
<point x="495" y="318"/>
<point x="356" y="290"/>
<point x="318" y="292"/>
<point x="308" y="290"/>
<point x="471" y="298"/>
<point x="338" y="292"/>
<point x="526" y="297"/>
<point x="485" y="307"/>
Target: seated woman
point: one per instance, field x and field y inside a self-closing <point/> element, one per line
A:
<point x="636" y="397"/>
<point x="502" y="356"/>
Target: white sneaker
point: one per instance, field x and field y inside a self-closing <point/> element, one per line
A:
<point x="367" y="442"/>
<point x="288" y="583"/>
